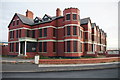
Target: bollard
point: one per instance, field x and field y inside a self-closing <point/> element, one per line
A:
<point x="36" y="59"/>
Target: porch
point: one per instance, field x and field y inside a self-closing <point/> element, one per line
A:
<point x="27" y="45"/>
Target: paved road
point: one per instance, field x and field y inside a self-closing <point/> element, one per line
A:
<point x="105" y="73"/>
<point x="29" y="67"/>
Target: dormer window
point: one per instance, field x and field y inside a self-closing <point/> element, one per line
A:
<point x="13" y="23"/>
<point x="17" y="22"/>
<point x="37" y="20"/>
<point x="46" y="17"/>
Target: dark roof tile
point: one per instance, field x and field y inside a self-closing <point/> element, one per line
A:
<point x="84" y="21"/>
<point x="25" y="20"/>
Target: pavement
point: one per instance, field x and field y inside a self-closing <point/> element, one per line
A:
<point x="15" y="60"/>
<point x="27" y="65"/>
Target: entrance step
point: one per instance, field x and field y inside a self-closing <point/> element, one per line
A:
<point x="21" y="56"/>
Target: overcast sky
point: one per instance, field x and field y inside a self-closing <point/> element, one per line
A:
<point x="103" y="12"/>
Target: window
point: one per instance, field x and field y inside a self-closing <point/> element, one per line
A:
<point x="54" y="47"/>
<point x="17" y="34"/>
<point x="74" y="30"/>
<point x="80" y="47"/>
<point x="40" y="32"/>
<point x="81" y="34"/>
<point x="86" y="35"/>
<point x="92" y="47"/>
<point x="11" y="47"/>
<point x="17" y="46"/>
<point x="75" y="46"/>
<point x="33" y="34"/>
<point x="13" y="23"/>
<point x="31" y="46"/>
<point x="45" y="32"/>
<point x="28" y="32"/>
<point x="45" y="47"/>
<point x="85" y="47"/>
<point x="40" y="46"/>
<point x="17" y="22"/>
<point x="11" y="34"/>
<point x="54" y="32"/>
<point x="68" y="17"/>
<point x="68" y="30"/>
<point x="74" y="16"/>
<point x="68" y="46"/>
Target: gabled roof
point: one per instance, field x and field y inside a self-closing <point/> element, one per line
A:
<point x="84" y="21"/>
<point x="31" y="22"/>
<point x="25" y="20"/>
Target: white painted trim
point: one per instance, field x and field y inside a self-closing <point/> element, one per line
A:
<point x="88" y="42"/>
<point x="19" y="48"/>
<point x="47" y="27"/>
<point x="28" y="39"/>
<point x="68" y="13"/>
<point x="71" y="39"/>
<point x="25" y="47"/>
<point x="44" y="27"/>
<point x="87" y="31"/>
<point x="60" y="41"/>
<point x="47" y="40"/>
<point x="59" y="27"/>
<point x="19" y="29"/>
<point x="74" y="13"/>
<point x="72" y="25"/>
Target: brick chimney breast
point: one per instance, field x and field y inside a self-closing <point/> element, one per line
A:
<point x="58" y="12"/>
<point x="29" y="14"/>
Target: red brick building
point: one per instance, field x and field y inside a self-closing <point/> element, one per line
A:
<point x="59" y="36"/>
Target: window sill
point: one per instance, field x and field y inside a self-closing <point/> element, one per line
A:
<point x="42" y="52"/>
<point x="11" y="38"/>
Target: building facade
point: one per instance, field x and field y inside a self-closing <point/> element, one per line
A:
<point x="59" y="36"/>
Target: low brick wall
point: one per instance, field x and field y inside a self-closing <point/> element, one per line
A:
<point x="113" y="55"/>
<point x="79" y="61"/>
<point x="4" y="50"/>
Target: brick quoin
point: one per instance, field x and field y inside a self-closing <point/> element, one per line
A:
<point x="63" y="35"/>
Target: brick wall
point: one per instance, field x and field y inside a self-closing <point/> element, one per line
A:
<point x="4" y="50"/>
<point x="78" y="61"/>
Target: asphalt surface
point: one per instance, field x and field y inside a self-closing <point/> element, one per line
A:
<point x="104" y="73"/>
<point x="30" y="67"/>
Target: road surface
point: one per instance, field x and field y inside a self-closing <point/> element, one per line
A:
<point x="104" y="73"/>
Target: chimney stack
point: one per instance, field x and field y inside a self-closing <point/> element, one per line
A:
<point x="58" y="12"/>
<point x="29" y="14"/>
